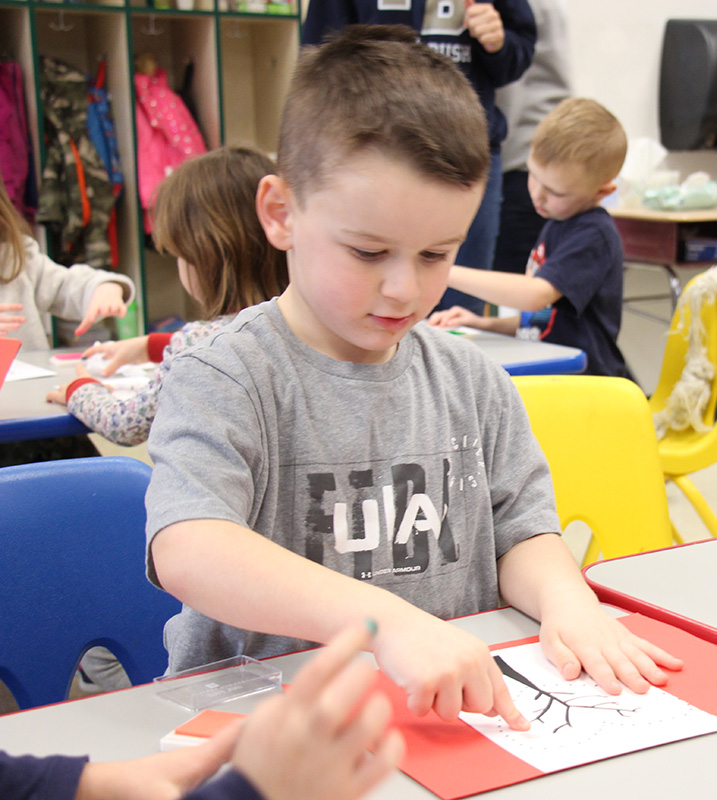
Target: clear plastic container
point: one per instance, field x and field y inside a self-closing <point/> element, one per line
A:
<point x="219" y="682"/>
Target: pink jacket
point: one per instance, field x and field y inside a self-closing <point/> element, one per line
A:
<point x="14" y="148"/>
<point x="166" y="133"/>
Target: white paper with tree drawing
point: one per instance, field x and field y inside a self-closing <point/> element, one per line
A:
<point x="576" y="722"/>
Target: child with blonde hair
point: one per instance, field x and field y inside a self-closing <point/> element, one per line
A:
<point x="32" y="286"/>
<point x="571" y="293"/>
<point x="204" y="215"/>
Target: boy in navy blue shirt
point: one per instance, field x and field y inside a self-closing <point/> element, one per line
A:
<point x="571" y="293"/>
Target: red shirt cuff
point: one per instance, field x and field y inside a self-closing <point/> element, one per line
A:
<point x="155" y="346"/>
<point x="76" y="385"/>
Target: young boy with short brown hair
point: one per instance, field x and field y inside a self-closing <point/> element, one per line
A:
<point x="329" y="457"/>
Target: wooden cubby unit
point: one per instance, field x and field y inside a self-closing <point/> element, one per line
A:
<point x="242" y="65"/>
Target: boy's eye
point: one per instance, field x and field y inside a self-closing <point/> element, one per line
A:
<point x="367" y="255"/>
<point x="433" y="257"/>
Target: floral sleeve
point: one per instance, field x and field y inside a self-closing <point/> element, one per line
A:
<point x="127" y="422"/>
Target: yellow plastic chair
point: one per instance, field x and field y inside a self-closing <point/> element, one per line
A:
<point x="683" y="452"/>
<point x="599" y="440"/>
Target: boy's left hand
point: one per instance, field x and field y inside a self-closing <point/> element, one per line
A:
<point x="106" y="301"/>
<point x="584" y="636"/>
<point x="540" y="577"/>
<point x="485" y="25"/>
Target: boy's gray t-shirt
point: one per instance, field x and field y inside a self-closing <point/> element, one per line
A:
<point x="415" y="475"/>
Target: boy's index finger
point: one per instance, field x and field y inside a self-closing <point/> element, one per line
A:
<point x="332" y="659"/>
<point x="503" y="703"/>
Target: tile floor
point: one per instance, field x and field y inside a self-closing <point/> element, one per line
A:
<point x="642" y="342"/>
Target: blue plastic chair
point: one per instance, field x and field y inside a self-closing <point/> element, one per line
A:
<point x="72" y="575"/>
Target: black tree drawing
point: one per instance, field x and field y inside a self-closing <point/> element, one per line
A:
<point x="572" y="702"/>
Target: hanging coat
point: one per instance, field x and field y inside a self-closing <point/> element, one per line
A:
<point x="101" y="128"/>
<point x="15" y="152"/>
<point x="167" y="134"/>
<point x="76" y="196"/>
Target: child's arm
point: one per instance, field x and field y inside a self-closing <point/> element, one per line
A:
<point x="59" y="395"/>
<point x="107" y="301"/>
<point x="198" y="561"/>
<point x="458" y="316"/>
<point x="539" y="576"/>
<point x="159" y="775"/>
<point x="68" y="292"/>
<point x="524" y="292"/>
<point x="122" y="421"/>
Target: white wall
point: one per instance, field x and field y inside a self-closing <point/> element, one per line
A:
<point x="615" y="51"/>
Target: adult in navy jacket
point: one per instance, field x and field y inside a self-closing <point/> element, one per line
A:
<point x="493" y="45"/>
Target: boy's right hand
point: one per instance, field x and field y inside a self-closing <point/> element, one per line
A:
<point x="126" y="351"/>
<point x="8" y="321"/>
<point x="443" y="668"/>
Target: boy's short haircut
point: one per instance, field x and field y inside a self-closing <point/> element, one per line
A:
<point x="581" y="131"/>
<point x="374" y="87"/>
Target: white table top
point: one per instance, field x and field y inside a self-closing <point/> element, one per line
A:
<point x="657" y="215"/>
<point x="680" y="580"/>
<point x="129" y="724"/>
<point x="522" y="357"/>
<point x="24" y="412"/>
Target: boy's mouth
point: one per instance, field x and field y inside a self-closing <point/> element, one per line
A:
<point x="392" y="323"/>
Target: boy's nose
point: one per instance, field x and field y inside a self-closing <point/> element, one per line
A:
<point x="401" y="282"/>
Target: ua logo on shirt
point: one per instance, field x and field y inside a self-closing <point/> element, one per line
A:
<point x="402" y="509"/>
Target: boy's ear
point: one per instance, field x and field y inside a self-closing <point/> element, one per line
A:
<point x="273" y="207"/>
<point x="606" y="189"/>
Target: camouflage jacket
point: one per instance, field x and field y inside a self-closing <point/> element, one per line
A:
<point x="76" y="196"/>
